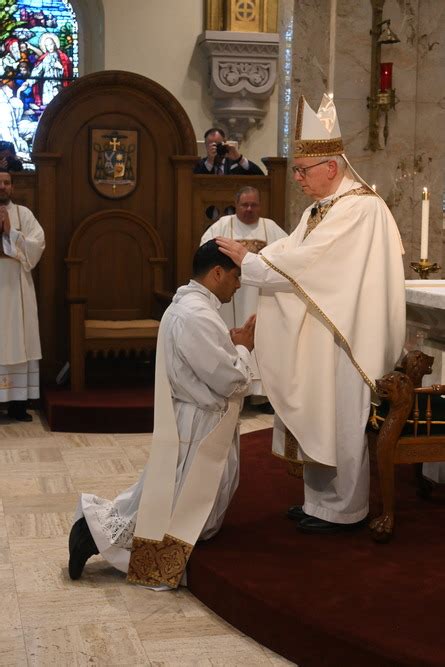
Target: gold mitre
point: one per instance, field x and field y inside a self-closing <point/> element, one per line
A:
<point x="317" y="134"/>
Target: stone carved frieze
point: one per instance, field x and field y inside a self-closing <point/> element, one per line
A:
<point x="232" y="74"/>
<point x="262" y="49"/>
<point x="243" y="71"/>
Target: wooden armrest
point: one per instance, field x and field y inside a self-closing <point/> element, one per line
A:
<point x="435" y="389"/>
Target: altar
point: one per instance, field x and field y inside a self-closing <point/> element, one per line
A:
<point x="425" y="323"/>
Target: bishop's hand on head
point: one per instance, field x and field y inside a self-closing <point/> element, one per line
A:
<point x="236" y="251"/>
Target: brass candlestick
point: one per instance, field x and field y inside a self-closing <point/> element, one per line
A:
<point x="424" y="268"/>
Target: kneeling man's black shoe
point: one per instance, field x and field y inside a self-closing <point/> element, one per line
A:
<point x="81" y="546"/>
<point x="296" y="513"/>
<point x="312" y="524"/>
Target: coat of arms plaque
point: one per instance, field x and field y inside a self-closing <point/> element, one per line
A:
<point x="114" y="161"/>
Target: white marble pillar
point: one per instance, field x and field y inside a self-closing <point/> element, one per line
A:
<point x="414" y="154"/>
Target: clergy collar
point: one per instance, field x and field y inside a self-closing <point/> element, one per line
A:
<point x="199" y="287"/>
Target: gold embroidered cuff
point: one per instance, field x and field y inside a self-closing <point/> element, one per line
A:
<point x="153" y="562"/>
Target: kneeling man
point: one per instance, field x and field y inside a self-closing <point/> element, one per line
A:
<point x="202" y="373"/>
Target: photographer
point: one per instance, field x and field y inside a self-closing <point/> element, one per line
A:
<point x="223" y="158"/>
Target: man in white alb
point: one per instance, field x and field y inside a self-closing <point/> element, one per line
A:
<point x="330" y="321"/>
<point x="255" y="233"/>
<point x="202" y="373"/>
<point x="22" y="244"/>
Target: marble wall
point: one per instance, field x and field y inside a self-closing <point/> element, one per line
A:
<point x="414" y="154"/>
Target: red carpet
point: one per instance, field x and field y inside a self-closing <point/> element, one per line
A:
<point x="326" y="601"/>
<point x="100" y="409"/>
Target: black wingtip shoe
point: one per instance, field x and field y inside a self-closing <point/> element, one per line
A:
<point x="81" y="546"/>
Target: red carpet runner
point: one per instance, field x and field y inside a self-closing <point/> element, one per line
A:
<point x="326" y="601"/>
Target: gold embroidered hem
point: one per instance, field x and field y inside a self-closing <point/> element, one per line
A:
<point x="318" y="147"/>
<point x="153" y="562"/>
<point x="295" y="464"/>
<point x="291" y="447"/>
<point x="295" y="469"/>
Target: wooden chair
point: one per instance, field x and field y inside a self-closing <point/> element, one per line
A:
<point x="116" y="290"/>
<point x="412" y="432"/>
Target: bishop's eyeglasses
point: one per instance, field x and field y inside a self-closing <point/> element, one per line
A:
<point x="301" y="171"/>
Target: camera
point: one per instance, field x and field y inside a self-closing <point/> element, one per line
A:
<point x="222" y="150"/>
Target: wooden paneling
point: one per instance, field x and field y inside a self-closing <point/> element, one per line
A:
<point x="195" y="193"/>
<point x="116" y="265"/>
<point x="65" y="196"/>
<point x="168" y="198"/>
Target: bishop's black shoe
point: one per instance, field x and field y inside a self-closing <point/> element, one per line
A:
<point x="266" y="408"/>
<point x="81" y="546"/>
<point x="312" y="524"/>
<point x="296" y="513"/>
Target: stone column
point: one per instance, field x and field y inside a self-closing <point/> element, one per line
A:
<point x="414" y="154"/>
<point x="310" y="66"/>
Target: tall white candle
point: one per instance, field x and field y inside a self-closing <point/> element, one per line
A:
<point x="425" y="224"/>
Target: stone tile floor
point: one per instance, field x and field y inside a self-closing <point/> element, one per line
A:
<point x="47" y="619"/>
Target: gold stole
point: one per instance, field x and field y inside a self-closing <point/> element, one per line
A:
<point x="251" y="245"/>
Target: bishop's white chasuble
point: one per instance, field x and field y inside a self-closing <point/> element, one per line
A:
<point x="340" y="285"/>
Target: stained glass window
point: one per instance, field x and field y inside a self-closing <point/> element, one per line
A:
<point x="39" y="56"/>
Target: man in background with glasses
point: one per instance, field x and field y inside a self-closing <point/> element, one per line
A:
<point x="332" y="303"/>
